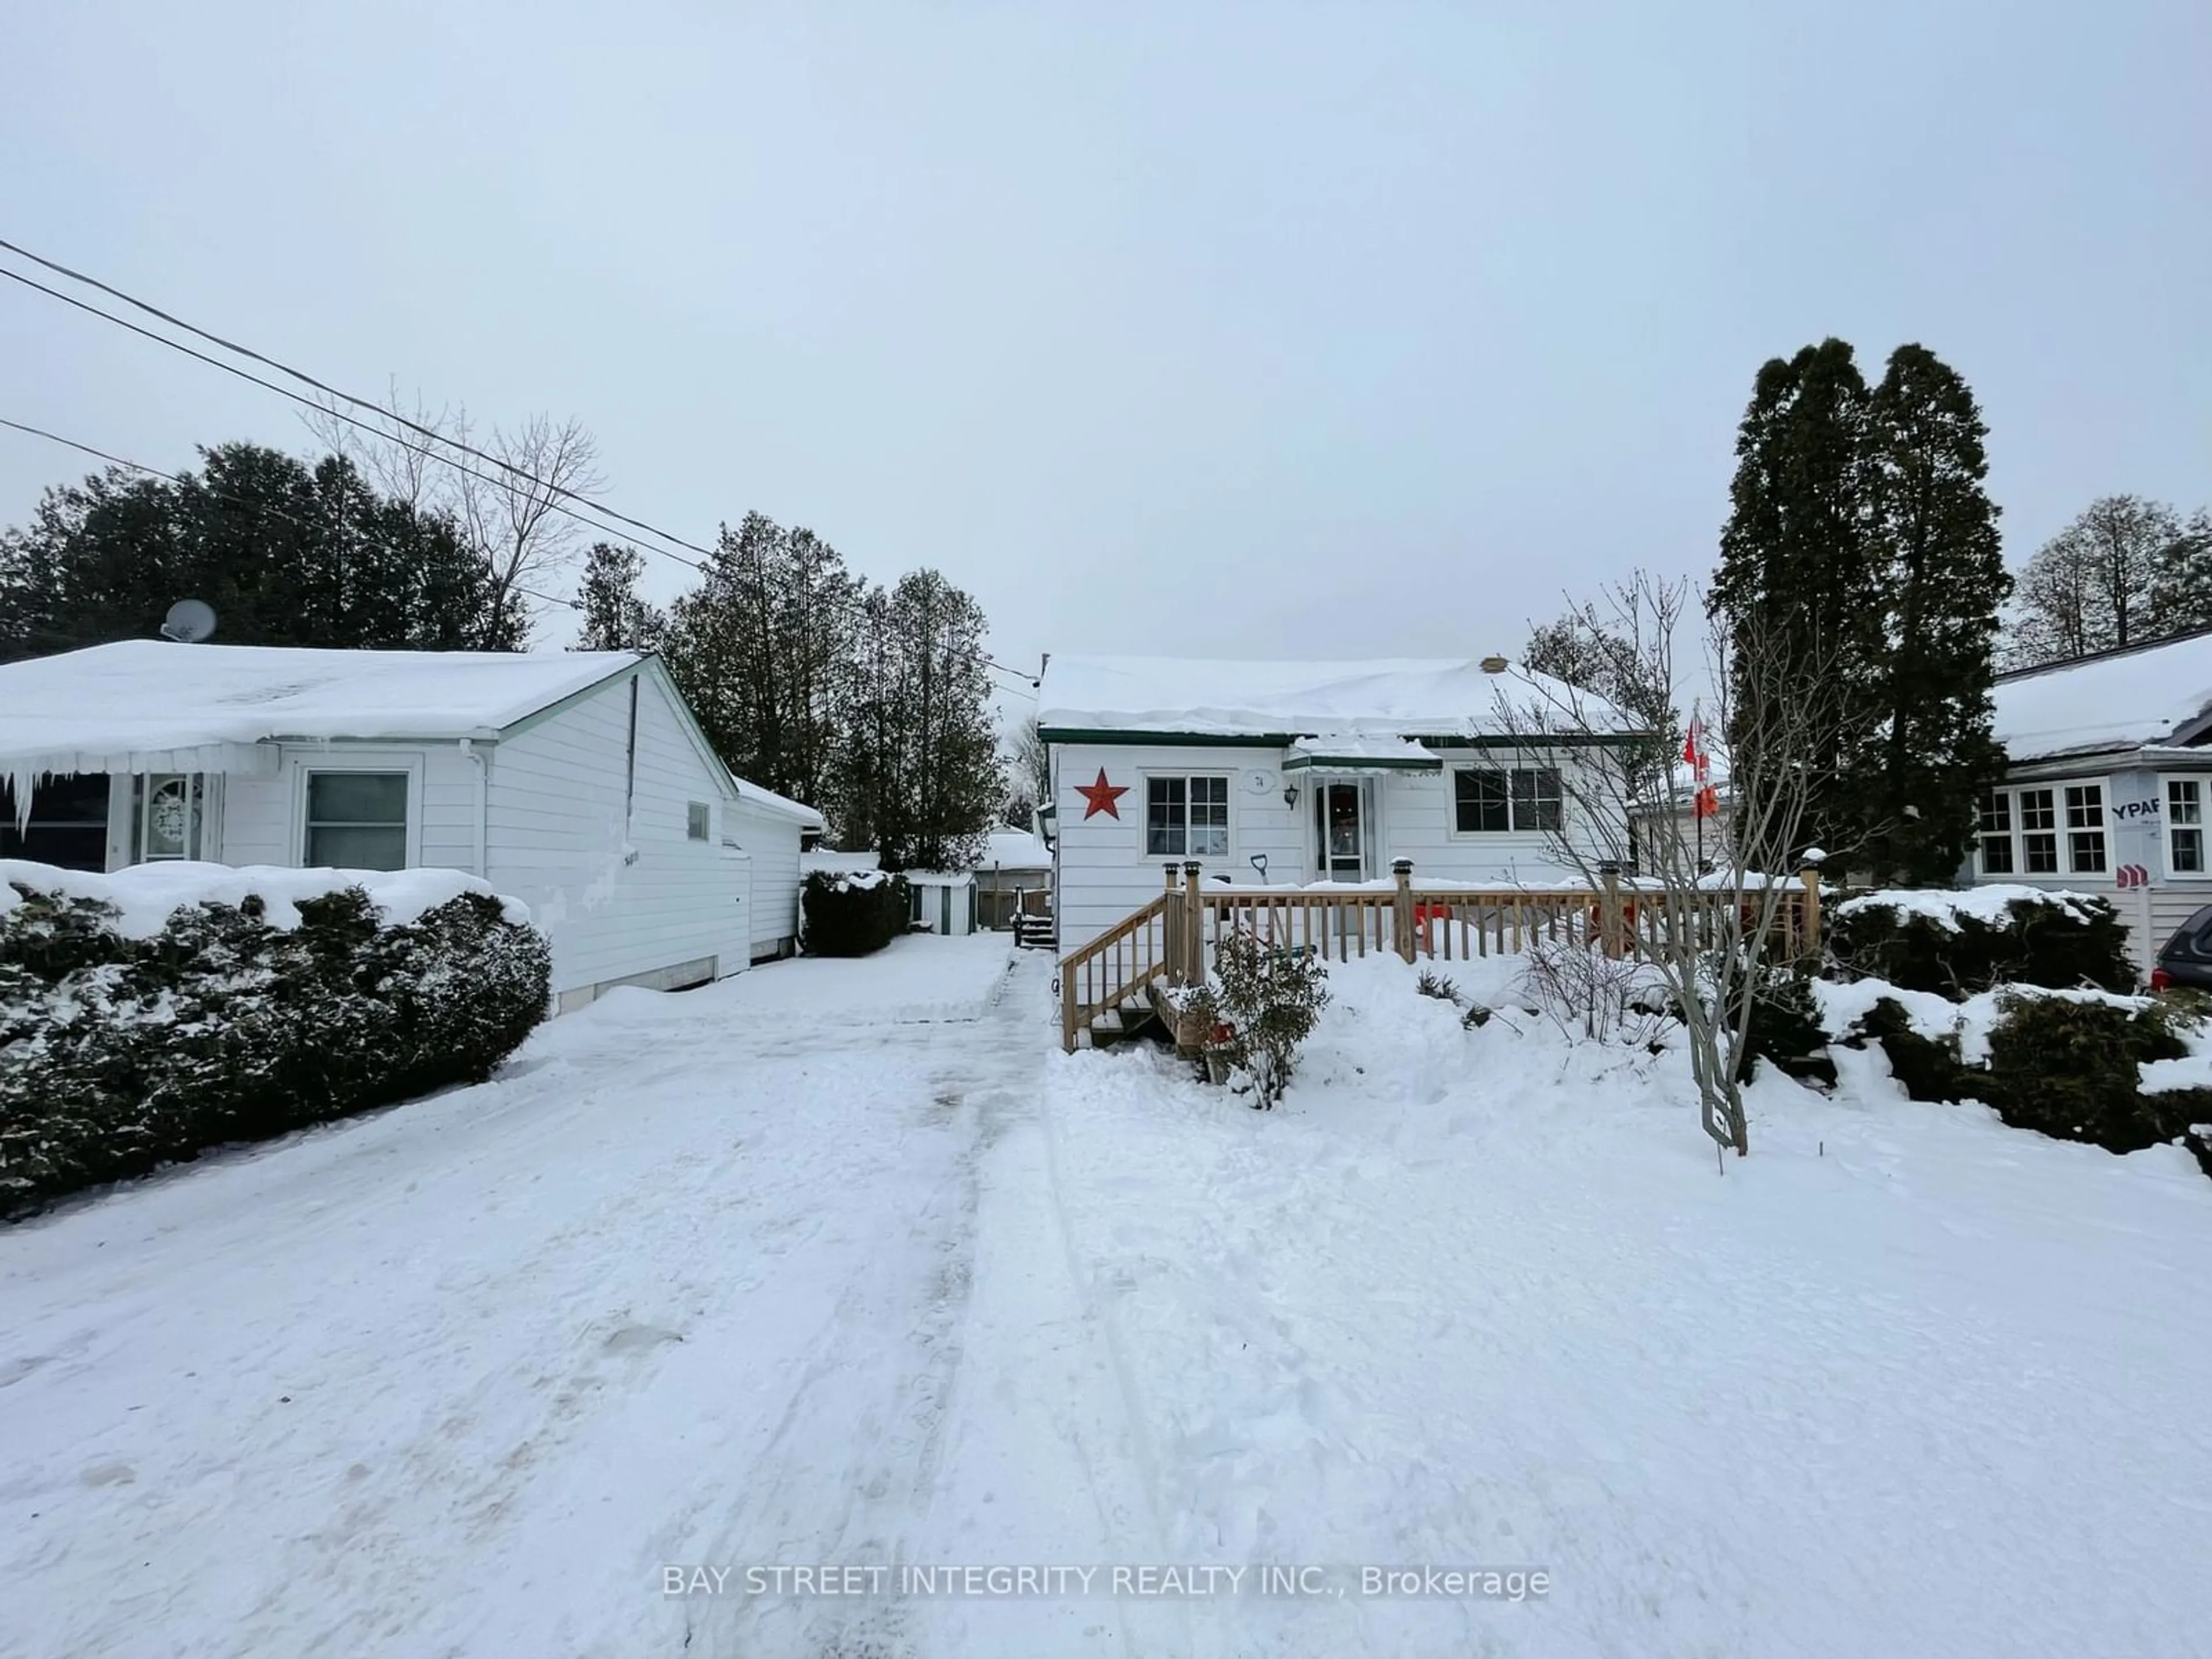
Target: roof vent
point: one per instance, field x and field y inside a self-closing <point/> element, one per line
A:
<point x="1495" y="664"/>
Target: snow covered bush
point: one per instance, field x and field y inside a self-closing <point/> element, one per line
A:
<point x="1956" y="944"/>
<point x="140" y="1024"/>
<point x="853" y="913"/>
<point x="1784" y="1029"/>
<point x="2070" y="1066"/>
<point x="1269" y="999"/>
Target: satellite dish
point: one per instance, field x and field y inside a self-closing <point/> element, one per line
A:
<point x="189" y="622"/>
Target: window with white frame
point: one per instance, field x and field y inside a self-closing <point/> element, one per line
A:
<point x="2042" y="829"/>
<point x="698" y="820"/>
<point x="2085" y="827"/>
<point x="1187" y="818"/>
<point x="1487" y="801"/>
<point x="356" y="821"/>
<point x="2184" y="826"/>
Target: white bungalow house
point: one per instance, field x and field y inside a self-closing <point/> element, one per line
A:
<point x="2108" y="783"/>
<point x="576" y="781"/>
<point x="1298" y="773"/>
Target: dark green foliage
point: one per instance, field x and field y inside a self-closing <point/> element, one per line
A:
<point x="917" y="777"/>
<point x="118" y="1055"/>
<point x="848" y="918"/>
<point x="1928" y="1068"/>
<point x="2067" y="1068"/>
<point x="1934" y="536"/>
<point x="1799" y="588"/>
<point x="616" y="617"/>
<point x="2059" y="945"/>
<point x="1784" y="1029"/>
<point x="1270" y="999"/>
<point x="1433" y="984"/>
<point x="286" y="553"/>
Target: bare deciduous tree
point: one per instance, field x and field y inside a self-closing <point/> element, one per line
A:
<point x="1707" y="938"/>
<point x="2090" y="586"/>
<point x="512" y="509"/>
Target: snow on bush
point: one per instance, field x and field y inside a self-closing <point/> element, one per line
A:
<point x="148" y="1014"/>
<point x="1269" y="999"/>
<point x="1956" y="944"/>
<point x="852" y="913"/>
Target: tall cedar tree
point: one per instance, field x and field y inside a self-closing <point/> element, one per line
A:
<point x="763" y="648"/>
<point x="287" y="554"/>
<point x="1915" y="785"/>
<point x="616" y="617"/>
<point x="1798" y="589"/>
<point x="919" y="775"/>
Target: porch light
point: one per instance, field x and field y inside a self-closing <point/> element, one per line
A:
<point x="1290" y="794"/>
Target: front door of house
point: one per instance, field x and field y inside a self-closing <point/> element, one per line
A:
<point x="1342" y="830"/>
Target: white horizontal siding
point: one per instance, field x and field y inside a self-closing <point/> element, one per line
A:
<point x="265" y="818"/>
<point x="558" y="838"/>
<point x="1101" y="872"/>
<point x="773" y="844"/>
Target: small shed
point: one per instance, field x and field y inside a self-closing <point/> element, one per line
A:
<point x="944" y="900"/>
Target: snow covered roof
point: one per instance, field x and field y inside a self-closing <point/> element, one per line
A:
<point x="1395" y="697"/>
<point x="1014" y="849"/>
<point x="1356" y="752"/>
<point x="830" y="860"/>
<point x="2120" y="700"/>
<point x="136" y="696"/>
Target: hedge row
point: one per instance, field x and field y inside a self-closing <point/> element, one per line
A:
<point x="853" y="913"/>
<point x="1958" y="944"/>
<point x="121" y="1053"/>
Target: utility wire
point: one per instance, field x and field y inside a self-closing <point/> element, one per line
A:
<point x="387" y="414"/>
<point x="305" y="379"/>
<point x="1028" y="680"/>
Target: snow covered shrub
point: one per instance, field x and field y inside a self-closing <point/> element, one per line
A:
<point x="1433" y="984"/>
<point x="853" y="913"/>
<point x="1270" y="999"/>
<point x="2068" y="1066"/>
<point x="1474" y="1018"/>
<point x="1958" y="944"/>
<point x="1927" y="1067"/>
<point x="121" y="1049"/>
<point x="1784" y="1029"/>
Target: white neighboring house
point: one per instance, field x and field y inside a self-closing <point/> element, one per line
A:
<point x="576" y="781"/>
<point x="1326" y="771"/>
<point x="2107" y="784"/>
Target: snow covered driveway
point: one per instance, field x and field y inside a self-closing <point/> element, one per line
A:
<point x="683" y="1285"/>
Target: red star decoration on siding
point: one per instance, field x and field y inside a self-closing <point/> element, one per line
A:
<point x="1101" y="796"/>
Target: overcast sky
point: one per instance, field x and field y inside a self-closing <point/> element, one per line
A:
<point x="1271" y="329"/>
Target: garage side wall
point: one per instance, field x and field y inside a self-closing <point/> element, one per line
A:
<point x="605" y="855"/>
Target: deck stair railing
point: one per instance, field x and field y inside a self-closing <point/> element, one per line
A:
<point x="1107" y="985"/>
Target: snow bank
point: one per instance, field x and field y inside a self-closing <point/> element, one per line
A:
<point x="1988" y="904"/>
<point x="145" y="896"/>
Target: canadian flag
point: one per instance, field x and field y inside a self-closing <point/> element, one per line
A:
<point x="1704" y="801"/>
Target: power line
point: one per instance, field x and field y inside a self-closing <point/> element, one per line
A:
<point x="270" y="507"/>
<point x="390" y="415"/>
<point x="305" y="379"/>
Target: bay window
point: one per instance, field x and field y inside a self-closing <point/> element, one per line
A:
<point x="2042" y="829"/>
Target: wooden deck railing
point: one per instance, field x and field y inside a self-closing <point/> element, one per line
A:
<point x="1172" y="938"/>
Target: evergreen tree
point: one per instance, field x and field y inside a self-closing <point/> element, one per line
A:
<point x="1798" y="593"/>
<point x="2181" y="578"/>
<point x="617" y="617"/>
<point x="286" y="554"/>
<point x="918" y="775"/>
<point x="763" y="649"/>
<point x="1914" y="785"/>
